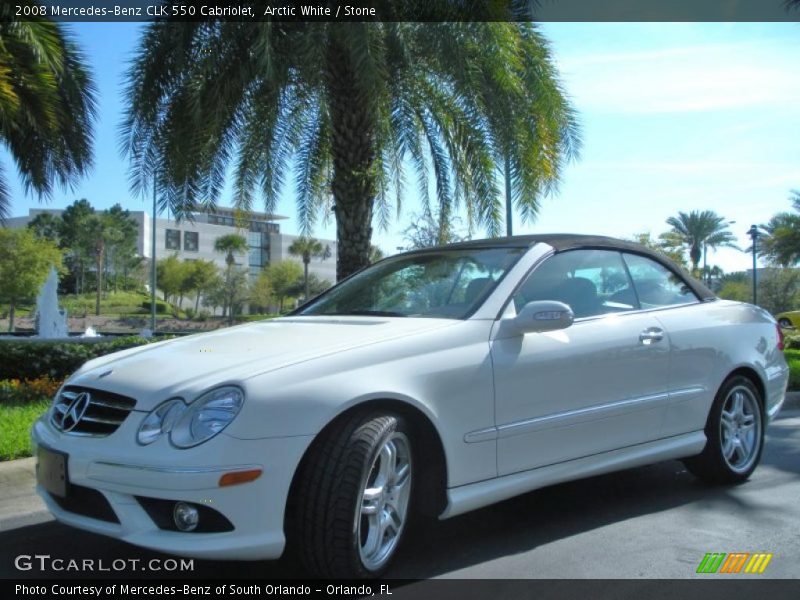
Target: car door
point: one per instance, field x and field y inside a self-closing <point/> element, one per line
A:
<point x="596" y="386"/>
<point x="694" y="342"/>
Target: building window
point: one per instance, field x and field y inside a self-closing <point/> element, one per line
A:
<point x="191" y="241"/>
<point x="173" y="239"/>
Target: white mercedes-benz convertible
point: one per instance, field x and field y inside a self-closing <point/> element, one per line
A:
<point x="436" y="381"/>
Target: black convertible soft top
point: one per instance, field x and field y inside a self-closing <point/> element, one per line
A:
<point x="572" y="241"/>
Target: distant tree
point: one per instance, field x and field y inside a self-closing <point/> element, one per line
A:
<point x="663" y="245"/>
<point x="202" y="275"/>
<point x="699" y="230"/>
<point x="216" y="294"/>
<point x="778" y="290"/>
<point x="780" y="244"/>
<point x="170" y="274"/>
<point x="306" y="248"/>
<point x="103" y="232"/>
<point x="740" y="291"/>
<point x="25" y="262"/>
<point x="237" y="293"/>
<point x="283" y="277"/>
<point x="426" y="231"/>
<point x="375" y="254"/>
<point x="47" y="226"/>
<point x="316" y="286"/>
<point x="230" y="245"/>
<point x="75" y="241"/>
<point x="47" y="105"/>
<point x="261" y="293"/>
<point x="121" y="252"/>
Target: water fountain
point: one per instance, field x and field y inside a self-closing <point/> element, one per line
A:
<point x="51" y="321"/>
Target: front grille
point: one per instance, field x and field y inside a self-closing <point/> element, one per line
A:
<point x="87" y="502"/>
<point x="85" y="411"/>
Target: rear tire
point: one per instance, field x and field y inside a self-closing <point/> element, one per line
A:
<point x="735" y="434"/>
<point x="352" y="501"/>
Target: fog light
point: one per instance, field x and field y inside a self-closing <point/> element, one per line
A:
<point x="186" y="516"/>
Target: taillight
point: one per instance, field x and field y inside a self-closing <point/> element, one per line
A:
<point x="780" y="336"/>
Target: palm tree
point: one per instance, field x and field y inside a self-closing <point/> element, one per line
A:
<point x="698" y="231"/>
<point x="230" y="245"/>
<point x="348" y="105"/>
<point x="780" y="242"/>
<point x="306" y="247"/>
<point x="47" y="106"/>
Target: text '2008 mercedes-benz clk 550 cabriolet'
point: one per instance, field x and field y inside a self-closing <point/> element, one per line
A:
<point x="435" y="382"/>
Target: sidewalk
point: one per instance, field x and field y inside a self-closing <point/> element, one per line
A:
<point x="20" y="506"/>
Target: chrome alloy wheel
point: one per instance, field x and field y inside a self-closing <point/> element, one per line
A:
<point x="740" y="429"/>
<point x="383" y="510"/>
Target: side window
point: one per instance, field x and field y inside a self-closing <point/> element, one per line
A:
<point x="656" y="285"/>
<point x="591" y="282"/>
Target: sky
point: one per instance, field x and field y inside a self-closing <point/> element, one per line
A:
<point x="675" y="117"/>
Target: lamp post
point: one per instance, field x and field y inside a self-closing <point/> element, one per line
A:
<point x="153" y="264"/>
<point x="753" y="233"/>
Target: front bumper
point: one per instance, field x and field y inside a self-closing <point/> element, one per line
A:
<point x="120" y="470"/>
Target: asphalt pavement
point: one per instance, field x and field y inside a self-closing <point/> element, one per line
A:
<point x="650" y="522"/>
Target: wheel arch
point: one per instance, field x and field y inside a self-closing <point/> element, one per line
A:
<point x="756" y="379"/>
<point x="430" y="495"/>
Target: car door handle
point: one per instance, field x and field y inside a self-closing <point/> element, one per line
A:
<point x="651" y="335"/>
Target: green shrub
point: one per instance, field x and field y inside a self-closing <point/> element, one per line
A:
<point x="33" y="359"/>
<point x="793" y="360"/>
<point x="161" y="306"/>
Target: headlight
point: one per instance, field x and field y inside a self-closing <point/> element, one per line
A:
<point x="207" y="416"/>
<point x="160" y="421"/>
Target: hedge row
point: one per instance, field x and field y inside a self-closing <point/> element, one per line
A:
<point x="33" y="359"/>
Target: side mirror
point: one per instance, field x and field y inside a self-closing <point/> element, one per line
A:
<point x="539" y="316"/>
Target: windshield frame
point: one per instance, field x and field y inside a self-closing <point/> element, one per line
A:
<point x="479" y="302"/>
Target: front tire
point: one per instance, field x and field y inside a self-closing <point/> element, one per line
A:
<point x="735" y="434"/>
<point x="353" y="497"/>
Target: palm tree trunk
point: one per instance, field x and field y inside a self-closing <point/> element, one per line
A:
<point x="100" y="252"/>
<point x="354" y="161"/>
<point x="305" y="275"/>
<point x="11" y="312"/>
<point x="509" y="213"/>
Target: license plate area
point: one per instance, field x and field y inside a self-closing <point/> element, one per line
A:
<point x="51" y="471"/>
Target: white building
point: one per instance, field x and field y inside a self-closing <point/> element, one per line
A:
<point x="194" y="239"/>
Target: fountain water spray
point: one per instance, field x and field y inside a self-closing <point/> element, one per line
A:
<point x="51" y="321"/>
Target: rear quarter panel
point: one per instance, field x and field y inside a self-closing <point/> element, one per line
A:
<point x="708" y="342"/>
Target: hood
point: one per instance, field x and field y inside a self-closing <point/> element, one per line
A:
<point x="189" y="365"/>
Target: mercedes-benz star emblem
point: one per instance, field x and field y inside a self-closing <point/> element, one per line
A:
<point x="75" y="411"/>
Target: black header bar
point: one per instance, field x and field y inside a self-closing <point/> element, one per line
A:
<point x="337" y="11"/>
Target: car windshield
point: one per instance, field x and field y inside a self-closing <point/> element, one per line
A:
<point x="447" y="284"/>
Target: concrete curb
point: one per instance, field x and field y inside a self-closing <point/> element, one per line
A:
<point x="20" y="506"/>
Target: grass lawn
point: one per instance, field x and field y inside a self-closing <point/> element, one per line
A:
<point x="16" y="420"/>
<point x="111" y="304"/>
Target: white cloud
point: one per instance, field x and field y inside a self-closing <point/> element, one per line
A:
<point x="684" y="79"/>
